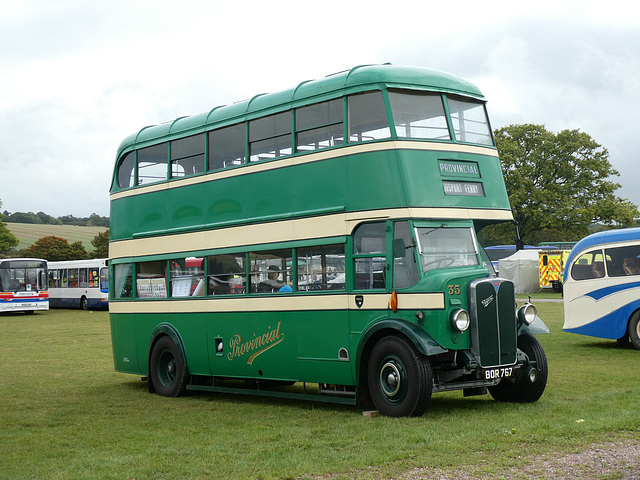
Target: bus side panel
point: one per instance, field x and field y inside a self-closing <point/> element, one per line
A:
<point x="226" y="200"/>
<point x="150" y="210"/>
<point x="314" y="191"/>
<point x="373" y="181"/>
<point x="253" y="344"/>
<point x="124" y="342"/>
<point x="271" y="193"/>
<point x="321" y="337"/>
<point x="187" y="207"/>
<point x="121" y="211"/>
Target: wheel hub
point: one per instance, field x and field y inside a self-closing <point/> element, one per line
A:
<point x="390" y="379"/>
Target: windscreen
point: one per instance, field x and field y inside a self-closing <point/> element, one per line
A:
<point x="442" y="247"/>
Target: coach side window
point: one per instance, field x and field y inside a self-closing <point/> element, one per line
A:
<point x="623" y="261"/>
<point x="127" y="171"/>
<point x="321" y="268"/>
<point x="319" y="126"/>
<point x="271" y="271"/>
<point x="588" y="266"/>
<point x="270" y="137"/>
<point x="187" y="156"/>
<point x="369" y="252"/>
<point x="152" y="164"/>
<point x="151" y="279"/>
<point x="226" y="147"/>
<point x="123" y="280"/>
<point x="227" y="274"/>
<point x="367" y="117"/>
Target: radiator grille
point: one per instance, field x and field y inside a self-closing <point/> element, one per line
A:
<point x="493" y="322"/>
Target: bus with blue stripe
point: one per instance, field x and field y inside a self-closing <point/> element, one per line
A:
<point x="79" y="284"/>
<point x="602" y="286"/>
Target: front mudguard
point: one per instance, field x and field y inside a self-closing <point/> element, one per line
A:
<point x="538" y="327"/>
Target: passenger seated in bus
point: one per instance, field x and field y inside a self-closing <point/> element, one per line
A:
<point x="271" y="284"/>
<point x="598" y="269"/>
<point x="631" y="266"/>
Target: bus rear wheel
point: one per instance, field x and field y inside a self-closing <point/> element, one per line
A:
<point x="634" y="330"/>
<point x="399" y="378"/>
<point x="166" y="368"/>
<point x="521" y="388"/>
<point x="84" y="303"/>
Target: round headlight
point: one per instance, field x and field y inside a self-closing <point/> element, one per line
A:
<point x="460" y="320"/>
<point x="527" y="313"/>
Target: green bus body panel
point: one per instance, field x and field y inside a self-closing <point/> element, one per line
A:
<point x="375" y="180"/>
<point x="268" y="345"/>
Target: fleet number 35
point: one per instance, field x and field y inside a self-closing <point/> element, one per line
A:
<point x="454" y="289"/>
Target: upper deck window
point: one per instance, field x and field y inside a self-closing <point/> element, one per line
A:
<point x="187" y="156"/>
<point x="127" y="171"/>
<point x="470" y="122"/>
<point x="226" y="146"/>
<point x="367" y="117"/>
<point x="319" y="126"/>
<point x="270" y="137"/>
<point x="152" y="164"/>
<point x="419" y="115"/>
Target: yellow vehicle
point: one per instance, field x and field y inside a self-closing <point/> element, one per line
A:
<point x="551" y="265"/>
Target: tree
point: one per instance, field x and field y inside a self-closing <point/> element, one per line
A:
<point x="101" y="245"/>
<point x="54" y="248"/>
<point x="559" y="184"/>
<point x="7" y="239"/>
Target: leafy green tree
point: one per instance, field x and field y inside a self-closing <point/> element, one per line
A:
<point x="8" y="240"/>
<point x="54" y="248"/>
<point x="24" y="217"/>
<point x="101" y="245"/>
<point x="558" y="184"/>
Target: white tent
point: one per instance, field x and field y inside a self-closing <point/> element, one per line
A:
<point x="522" y="269"/>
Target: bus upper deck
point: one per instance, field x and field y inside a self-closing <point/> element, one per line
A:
<point x="327" y="147"/>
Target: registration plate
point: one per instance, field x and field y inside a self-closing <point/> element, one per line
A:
<point x="495" y="373"/>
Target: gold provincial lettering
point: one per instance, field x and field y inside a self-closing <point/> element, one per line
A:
<point x="256" y="346"/>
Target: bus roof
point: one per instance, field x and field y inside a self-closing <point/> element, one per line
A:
<point x="359" y="78"/>
<point x="603" y="238"/>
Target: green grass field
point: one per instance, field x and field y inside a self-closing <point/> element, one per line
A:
<point x="28" y="233"/>
<point x="66" y="414"/>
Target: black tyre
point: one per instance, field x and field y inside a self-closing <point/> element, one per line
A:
<point x="166" y="368"/>
<point x="84" y="303"/>
<point x="519" y="388"/>
<point x="634" y="330"/>
<point x="399" y="378"/>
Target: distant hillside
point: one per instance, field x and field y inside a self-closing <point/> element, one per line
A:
<point x="28" y="233"/>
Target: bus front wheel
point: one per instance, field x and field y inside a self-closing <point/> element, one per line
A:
<point x="166" y="368"/>
<point x="399" y="378"/>
<point x="520" y="388"/>
<point x="634" y="330"/>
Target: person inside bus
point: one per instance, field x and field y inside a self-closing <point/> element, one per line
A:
<point x="630" y="266"/>
<point x="598" y="269"/>
<point x="272" y="284"/>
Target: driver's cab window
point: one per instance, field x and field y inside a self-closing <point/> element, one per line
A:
<point x="405" y="268"/>
<point x="369" y="256"/>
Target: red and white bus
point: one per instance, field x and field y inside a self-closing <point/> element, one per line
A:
<point x="23" y="285"/>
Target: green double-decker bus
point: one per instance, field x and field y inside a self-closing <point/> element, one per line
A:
<point x="321" y="243"/>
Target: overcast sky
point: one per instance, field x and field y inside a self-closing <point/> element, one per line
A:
<point x="77" y="76"/>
